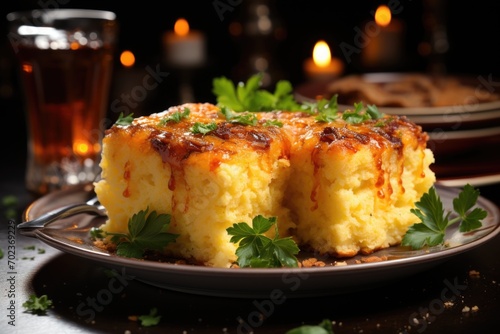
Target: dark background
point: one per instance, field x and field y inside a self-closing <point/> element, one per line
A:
<point x="473" y="30"/>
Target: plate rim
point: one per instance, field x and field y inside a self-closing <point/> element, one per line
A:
<point x="452" y="110"/>
<point x="464" y="134"/>
<point x="111" y="259"/>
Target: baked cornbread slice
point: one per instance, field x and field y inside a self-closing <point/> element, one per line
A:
<point x="352" y="186"/>
<point x="337" y="188"/>
<point x="206" y="182"/>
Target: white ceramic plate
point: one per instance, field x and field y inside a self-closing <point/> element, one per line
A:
<point x="71" y="235"/>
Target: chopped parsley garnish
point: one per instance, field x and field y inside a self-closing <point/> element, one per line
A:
<point x="97" y="233"/>
<point x="248" y="96"/>
<point x="245" y="118"/>
<point x="273" y="122"/>
<point x="434" y="222"/>
<point x="150" y="319"/>
<point x="360" y="114"/>
<point x="203" y="128"/>
<point x="9" y="203"/>
<point x="255" y="250"/>
<point x="324" y="327"/>
<point x="145" y="232"/>
<point x="37" y="305"/>
<point x="176" y="117"/>
<point x="326" y="110"/>
<point x="125" y="120"/>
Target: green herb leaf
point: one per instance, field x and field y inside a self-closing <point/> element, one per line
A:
<point x="356" y="116"/>
<point x="273" y="122"/>
<point x="284" y="98"/>
<point x="125" y="120"/>
<point x="225" y="93"/>
<point x="462" y="205"/>
<point x="244" y="118"/>
<point x="37" y="305"/>
<point x="327" y="110"/>
<point x="434" y="222"/>
<point x="97" y="233"/>
<point x="257" y="250"/>
<point x="361" y="114"/>
<point x="203" y="128"/>
<point x="10" y="202"/>
<point x="176" y="117"/>
<point x="150" y="319"/>
<point x="247" y="96"/>
<point x="129" y="249"/>
<point x="325" y="327"/>
<point x="373" y="111"/>
<point x="246" y="92"/>
<point x="145" y="232"/>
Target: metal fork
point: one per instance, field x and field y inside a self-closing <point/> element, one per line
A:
<point x="92" y="206"/>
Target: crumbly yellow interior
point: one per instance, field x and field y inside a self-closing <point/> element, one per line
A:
<point x="341" y="195"/>
<point x="349" y="205"/>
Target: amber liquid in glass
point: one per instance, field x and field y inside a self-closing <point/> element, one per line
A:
<point x="67" y="95"/>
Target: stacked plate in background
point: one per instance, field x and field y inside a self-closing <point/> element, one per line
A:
<point x="460" y="114"/>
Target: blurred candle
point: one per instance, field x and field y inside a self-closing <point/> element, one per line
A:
<point x="128" y="90"/>
<point x="322" y="66"/>
<point x="385" y="47"/>
<point x="127" y="58"/>
<point x="184" y="47"/>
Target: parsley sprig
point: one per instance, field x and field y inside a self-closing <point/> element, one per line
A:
<point x="146" y="231"/>
<point x="248" y="96"/>
<point x="256" y="250"/>
<point x="37" y="305"/>
<point x="434" y="222"/>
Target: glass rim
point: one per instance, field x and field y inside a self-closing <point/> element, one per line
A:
<point x="48" y="15"/>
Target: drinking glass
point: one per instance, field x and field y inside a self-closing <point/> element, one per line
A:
<point x="65" y="59"/>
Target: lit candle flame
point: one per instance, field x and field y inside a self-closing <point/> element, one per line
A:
<point x="321" y="54"/>
<point x="127" y="58"/>
<point x="383" y="16"/>
<point x="181" y="27"/>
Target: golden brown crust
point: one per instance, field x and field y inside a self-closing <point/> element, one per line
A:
<point x="175" y="142"/>
<point x="316" y="171"/>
